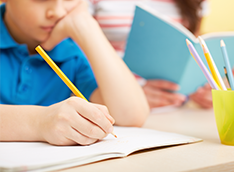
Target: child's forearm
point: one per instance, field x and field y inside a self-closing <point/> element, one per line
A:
<point x="70" y="122"/>
<point x="19" y="123"/>
<point x="119" y="89"/>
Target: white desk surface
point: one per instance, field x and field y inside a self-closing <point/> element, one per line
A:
<point x="209" y="155"/>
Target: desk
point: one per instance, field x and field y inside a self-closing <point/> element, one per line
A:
<point x="208" y="155"/>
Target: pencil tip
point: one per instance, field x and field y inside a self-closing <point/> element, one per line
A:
<point x="222" y="43"/>
<point x="200" y="40"/>
<point x="225" y="70"/>
<point x="203" y="44"/>
<point x="188" y="42"/>
<point x="114" y="134"/>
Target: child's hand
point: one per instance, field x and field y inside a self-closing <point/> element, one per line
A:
<point x="75" y="121"/>
<point x="157" y="93"/>
<point x="203" y="97"/>
<point x="68" y="26"/>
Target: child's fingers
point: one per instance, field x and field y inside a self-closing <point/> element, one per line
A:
<point x="162" y="84"/>
<point x="162" y="94"/>
<point x="91" y="113"/>
<point x="202" y="97"/>
<point x="160" y="101"/>
<point x="75" y="136"/>
<point x="173" y="97"/>
<point x="203" y="102"/>
<point x="106" y="112"/>
<point x="154" y="102"/>
<point x="207" y="86"/>
<point x="87" y="128"/>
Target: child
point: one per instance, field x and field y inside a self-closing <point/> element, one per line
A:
<point x="35" y="103"/>
<point x="115" y="18"/>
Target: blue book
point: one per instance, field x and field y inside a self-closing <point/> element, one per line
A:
<point x="156" y="49"/>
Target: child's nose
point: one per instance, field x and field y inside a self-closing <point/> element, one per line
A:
<point x="56" y="12"/>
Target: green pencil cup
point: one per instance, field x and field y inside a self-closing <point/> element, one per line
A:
<point x="223" y="104"/>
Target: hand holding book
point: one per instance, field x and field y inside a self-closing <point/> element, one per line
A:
<point x="161" y="93"/>
<point x="203" y="96"/>
<point x="156" y="50"/>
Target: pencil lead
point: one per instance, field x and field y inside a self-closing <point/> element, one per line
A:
<point x="188" y="42"/>
<point x="222" y="44"/>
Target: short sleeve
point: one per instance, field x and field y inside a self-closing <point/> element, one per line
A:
<point x="84" y="77"/>
<point x="91" y="6"/>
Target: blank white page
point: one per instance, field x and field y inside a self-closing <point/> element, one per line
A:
<point x="18" y="156"/>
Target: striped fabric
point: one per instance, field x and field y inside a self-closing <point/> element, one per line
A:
<point x="115" y="17"/>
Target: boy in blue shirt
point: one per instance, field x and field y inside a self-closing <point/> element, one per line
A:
<point x="35" y="103"/>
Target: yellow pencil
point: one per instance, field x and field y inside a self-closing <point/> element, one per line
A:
<point x="61" y="74"/>
<point x="188" y="42"/>
<point x="211" y="64"/>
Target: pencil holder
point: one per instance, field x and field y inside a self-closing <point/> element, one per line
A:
<point x="223" y="103"/>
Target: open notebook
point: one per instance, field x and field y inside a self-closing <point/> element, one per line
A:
<point x="156" y="49"/>
<point x="36" y="156"/>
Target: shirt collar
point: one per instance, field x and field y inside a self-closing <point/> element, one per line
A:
<point x="6" y="41"/>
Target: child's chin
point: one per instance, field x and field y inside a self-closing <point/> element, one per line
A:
<point x="43" y="38"/>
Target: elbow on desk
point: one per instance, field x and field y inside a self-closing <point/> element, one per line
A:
<point x="132" y="117"/>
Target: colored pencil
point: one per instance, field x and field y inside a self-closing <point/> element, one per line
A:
<point x="225" y="71"/>
<point x="205" y="71"/>
<point x="61" y="74"/>
<point x="227" y="64"/>
<point x="214" y="71"/>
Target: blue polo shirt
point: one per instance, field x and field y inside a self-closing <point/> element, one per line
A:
<point x="28" y="80"/>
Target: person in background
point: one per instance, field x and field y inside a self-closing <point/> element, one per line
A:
<point x="115" y="18"/>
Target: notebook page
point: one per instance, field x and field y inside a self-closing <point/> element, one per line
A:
<point x="32" y="155"/>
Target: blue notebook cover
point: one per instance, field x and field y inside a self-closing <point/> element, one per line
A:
<point x="156" y="49"/>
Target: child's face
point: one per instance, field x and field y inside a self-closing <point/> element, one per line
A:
<point x="35" y="19"/>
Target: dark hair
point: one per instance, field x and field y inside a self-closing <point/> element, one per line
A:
<point x="190" y="12"/>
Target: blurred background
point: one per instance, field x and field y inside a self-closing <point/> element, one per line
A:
<point x="220" y="17"/>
